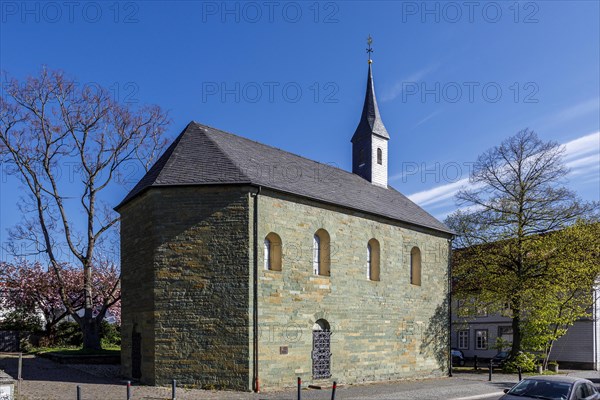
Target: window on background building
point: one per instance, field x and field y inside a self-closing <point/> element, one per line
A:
<point x="481" y="339"/>
<point x="379" y="156"/>
<point x="321" y="253"/>
<point x="506" y="333"/>
<point x="272" y="254"/>
<point x="463" y="339"/>
<point x="373" y="260"/>
<point x="415" y="266"/>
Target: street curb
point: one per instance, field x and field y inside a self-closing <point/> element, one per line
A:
<point x="479" y="396"/>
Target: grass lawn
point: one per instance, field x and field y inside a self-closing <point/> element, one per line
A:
<point x="76" y="351"/>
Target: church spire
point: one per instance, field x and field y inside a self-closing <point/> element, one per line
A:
<point x="370" y="120"/>
<point x="369" y="142"/>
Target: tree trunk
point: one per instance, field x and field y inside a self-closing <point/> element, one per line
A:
<point x="516" y="327"/>
<point x="90" y="327"/>
<point x="547" y="354"/>
<point x="50" y="332"/>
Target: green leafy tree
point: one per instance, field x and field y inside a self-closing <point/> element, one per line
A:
<point x="501" y="344"/>
<point x="558" y="302"/>
<point x="515" y="197"/>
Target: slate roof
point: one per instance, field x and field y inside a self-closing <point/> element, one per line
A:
<point x="370" y="119"/>
<point x="203" y="155"/>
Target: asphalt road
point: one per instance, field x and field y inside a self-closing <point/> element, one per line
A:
<point x="46" y="380"/>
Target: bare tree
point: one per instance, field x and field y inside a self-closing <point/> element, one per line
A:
<point x="515" y="197"/>
<point x="49" y="124"/>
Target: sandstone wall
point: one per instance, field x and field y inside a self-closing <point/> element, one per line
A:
<point x="382" y="330"/>
<point x="189" y="285"/>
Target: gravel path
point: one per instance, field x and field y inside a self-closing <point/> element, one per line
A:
<point x="47" y="380"/>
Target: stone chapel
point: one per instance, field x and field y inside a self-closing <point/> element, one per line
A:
<point x="245" y="266"/>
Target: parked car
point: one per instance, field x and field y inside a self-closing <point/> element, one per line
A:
<point x="458" y="358"/>
<point x="500" y="359"/>
<point x="552" y="388"/>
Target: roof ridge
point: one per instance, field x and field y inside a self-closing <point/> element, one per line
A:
<point x="286" y="151"/>
<point x="372" y="187"/>
<point x="203" y="155"/>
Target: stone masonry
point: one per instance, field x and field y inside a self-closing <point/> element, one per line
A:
<point x="186" y="277"/>
<point x="382" y="330"/>
<point x="187" y="290"/>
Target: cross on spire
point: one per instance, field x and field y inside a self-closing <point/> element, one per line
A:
<point x="369" y="49"/>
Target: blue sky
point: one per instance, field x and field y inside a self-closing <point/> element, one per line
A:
<point x="452" y="78"/>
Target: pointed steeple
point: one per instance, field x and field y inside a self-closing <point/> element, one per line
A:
<point x="370" y="120"/>
<point x="370" y="140"/>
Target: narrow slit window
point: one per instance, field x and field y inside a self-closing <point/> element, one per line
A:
<point x="415" y="266"/>
<point x="373" y="260"/>
<point x="321" y="254"/>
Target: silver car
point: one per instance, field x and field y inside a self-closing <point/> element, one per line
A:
<point x="553" y="388"/>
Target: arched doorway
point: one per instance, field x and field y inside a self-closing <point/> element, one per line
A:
<point x="321" y="353"/>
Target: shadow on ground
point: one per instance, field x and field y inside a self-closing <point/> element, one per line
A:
<point x="41" y="369"/>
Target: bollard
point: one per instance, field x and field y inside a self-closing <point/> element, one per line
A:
<point x="491" y="368"/>
<point x="128" y="390"/>
<point x="78" y="392"/>
<point x="520" y="371"/>
<point x="333" y="390"/>
<point x="19" y="375"/>
<point x="299" y="388"/>
<point x="475" y="362"/>
<point x="174" y="390"/>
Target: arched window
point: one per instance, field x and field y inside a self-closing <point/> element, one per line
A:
<point x="373" y="260"/>
<point x="379" y="156"/>
<point x="273" y="252"/>
<point x="321" y="254"/>
<point x="415" y="266"/>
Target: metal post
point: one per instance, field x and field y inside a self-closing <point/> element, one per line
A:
<point x="450" y="369"/>
<point x="19" y="374"/>
<point x="78" y="392"/>
<point x="333" y="390"/>
<point x="475" y="362"/>
<point x="174" y="390"/>
<point x="299" y="388"/>
<point x="128" y="390"/>
<point x="520" y="371"/>
<point x="491" y="368"/>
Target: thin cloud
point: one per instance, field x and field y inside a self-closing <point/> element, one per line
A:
<point x="582" y="146"/>
<point x="582" y="156"/>
<point x="438" y="194"/>
<point x="397" y="89"/>
<point x="570" y="113"/>
<point x="579" y="110"/>
<point x="427" y="118"/>
<point x="584" y="164"/>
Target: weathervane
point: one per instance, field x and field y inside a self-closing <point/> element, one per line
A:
<point x="369" y="49"/>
